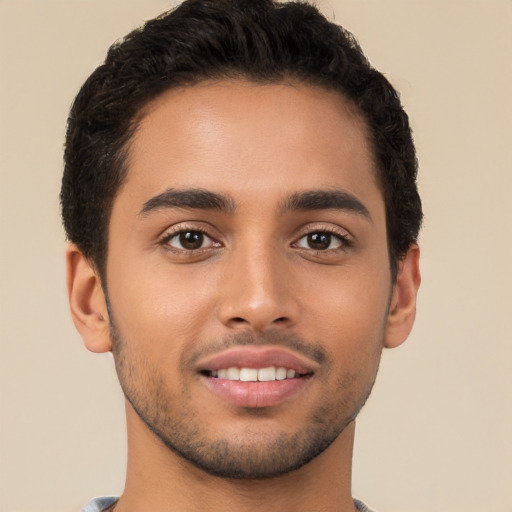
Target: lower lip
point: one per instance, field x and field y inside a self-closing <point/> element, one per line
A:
<point x="255" y="394"/>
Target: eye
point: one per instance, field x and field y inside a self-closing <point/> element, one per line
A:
<point x="190" y="240"/>
<point x="322" y="241"/>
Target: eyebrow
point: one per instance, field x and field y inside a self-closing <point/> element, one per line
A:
<point x="194" y="198"/>
<point x="325" y="200"/>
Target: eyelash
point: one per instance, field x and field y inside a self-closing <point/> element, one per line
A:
<point x="169" y="236"/>
<point x="343" y="238"/>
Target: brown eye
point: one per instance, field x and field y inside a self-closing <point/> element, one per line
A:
<point x="189" y="240"/>
<point x="321" y="241"/>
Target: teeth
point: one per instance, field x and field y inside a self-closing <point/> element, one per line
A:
<point x="267" y="374"/>
<point x="233" y="373"/>
<point x="254" y="374"/>
<point x="281" y="373"/>
<point x="248" y="374"/>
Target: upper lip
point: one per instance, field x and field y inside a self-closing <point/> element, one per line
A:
<point x="258" y="357"/>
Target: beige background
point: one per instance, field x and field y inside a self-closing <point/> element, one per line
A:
<point x="437" y="433"/>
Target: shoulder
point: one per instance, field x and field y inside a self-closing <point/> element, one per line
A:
<point x="361" y="507"/>
<point x="100" y="504"/>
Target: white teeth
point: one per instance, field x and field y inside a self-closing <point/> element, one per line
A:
<point x="248" y="374"/>
<point x="268" y="374"/>
<point x="233" y="373"/>
<point x="280" y="373"/>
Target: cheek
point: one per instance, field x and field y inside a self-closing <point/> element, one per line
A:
<point x="159" y="306"/>
<point x="351" y="304"/>
<point x="350" y="317"/>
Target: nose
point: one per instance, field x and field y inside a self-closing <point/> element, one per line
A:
<point x="258" y="292"/>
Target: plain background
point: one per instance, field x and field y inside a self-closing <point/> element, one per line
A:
<point x="436" y="435"/>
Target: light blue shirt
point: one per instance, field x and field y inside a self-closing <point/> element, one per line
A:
<point x="100" y="504"/>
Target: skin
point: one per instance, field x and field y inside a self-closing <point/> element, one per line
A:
<point x="256" y="280"/>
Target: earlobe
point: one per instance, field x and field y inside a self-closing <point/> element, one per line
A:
<point x="402" y="308"/>
<point x="87" y="301"/>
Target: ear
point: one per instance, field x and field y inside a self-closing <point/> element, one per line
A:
<point x="87" y="301"/>
<point x="402" y="308"/>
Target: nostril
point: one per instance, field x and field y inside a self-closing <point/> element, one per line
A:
<point x="238" y="320"/>
<point x="280" y="319"/>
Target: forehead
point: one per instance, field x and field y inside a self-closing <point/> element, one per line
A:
<point x="251" y="140"/>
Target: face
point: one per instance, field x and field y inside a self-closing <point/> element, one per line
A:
<point x="248" y="274"/>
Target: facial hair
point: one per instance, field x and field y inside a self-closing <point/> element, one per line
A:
<point x="252" y="453"/>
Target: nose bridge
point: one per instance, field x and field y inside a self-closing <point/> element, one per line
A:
<point x="258" y="292"/>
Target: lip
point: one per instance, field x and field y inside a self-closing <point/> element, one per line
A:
<point x="258" y="357"/>
<point x="256" y="394"/>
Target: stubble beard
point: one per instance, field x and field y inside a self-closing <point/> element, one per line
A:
<point x="254" y="454"/>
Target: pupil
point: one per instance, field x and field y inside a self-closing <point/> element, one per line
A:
<point x="191" y="239"/>
<point x="319" y="240"/>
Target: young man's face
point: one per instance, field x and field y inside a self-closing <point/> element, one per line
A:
<point x="250" y="234"/>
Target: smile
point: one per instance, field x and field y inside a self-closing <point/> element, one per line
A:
<point x="268" y="374"/>
<point x="256" y="376"/>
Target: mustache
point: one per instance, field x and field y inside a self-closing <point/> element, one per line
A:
<point x="311" y="350"/>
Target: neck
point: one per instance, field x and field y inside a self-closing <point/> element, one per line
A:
<point x="159" y="480"/>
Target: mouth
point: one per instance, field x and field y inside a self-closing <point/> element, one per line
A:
<point x="256" y="377"/>
<point x="268" y="374"/>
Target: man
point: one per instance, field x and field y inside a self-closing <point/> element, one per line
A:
<point x="240" y="198"/>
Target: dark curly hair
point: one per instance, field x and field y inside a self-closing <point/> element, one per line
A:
<point x="258" y="40"/>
